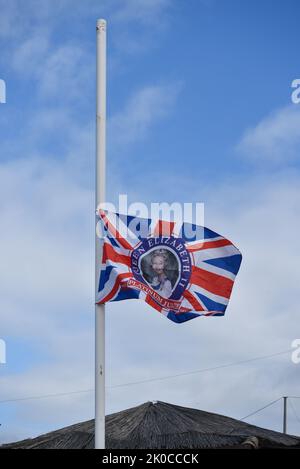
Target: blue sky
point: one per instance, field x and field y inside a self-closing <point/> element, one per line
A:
<point x="199" y="109"/>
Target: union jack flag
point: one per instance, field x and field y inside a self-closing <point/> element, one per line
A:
<point x="183" y="271"/>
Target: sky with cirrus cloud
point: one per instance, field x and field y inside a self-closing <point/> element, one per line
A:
<point x="199" y="110"/>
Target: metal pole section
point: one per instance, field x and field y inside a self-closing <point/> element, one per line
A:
<point x="100" y="198"/>
<point x="284" y="414"/>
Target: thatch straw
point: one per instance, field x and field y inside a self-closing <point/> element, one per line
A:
<point x="162" y="426"/>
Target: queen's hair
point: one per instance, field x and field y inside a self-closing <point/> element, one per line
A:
<point x="160" y="253"/>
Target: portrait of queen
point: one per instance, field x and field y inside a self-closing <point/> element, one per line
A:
<point x="160" y="270"/>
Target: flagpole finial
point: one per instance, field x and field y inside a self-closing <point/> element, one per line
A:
<point x="101" y="24"/>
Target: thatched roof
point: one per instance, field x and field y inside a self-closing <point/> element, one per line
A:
<point x="162" y="425"/>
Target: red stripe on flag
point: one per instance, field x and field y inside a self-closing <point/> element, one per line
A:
<point x="116" y="286"/>
<point x="111" y="255"/>
<point x="211" y="282"/>
<point x="208" y="245"/>
<point x="193" y="301"/>
<point x="164" y="228"/>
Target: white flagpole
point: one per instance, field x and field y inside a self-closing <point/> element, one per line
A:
<point x="100" y="198"/>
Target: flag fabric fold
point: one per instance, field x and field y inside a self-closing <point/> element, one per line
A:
<point x="183" y="271"/>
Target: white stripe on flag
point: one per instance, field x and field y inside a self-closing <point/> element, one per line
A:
<point x="219" y="299"/>
<point x="215" y="253"/>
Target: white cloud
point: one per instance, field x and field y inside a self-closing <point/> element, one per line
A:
<point x="29" y="56"/>
<point x="26" y="22"/>
<point x="142" y="111"/>
<point x="41" y="244"/>
<point x="66" y="68"/>
<point x="18" y="19"/>
<point x="62" y="72"/>
<point x="274" y="140"/>
<point x="61" y="68"/>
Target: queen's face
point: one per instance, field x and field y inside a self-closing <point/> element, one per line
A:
<point x="158" y="265"/>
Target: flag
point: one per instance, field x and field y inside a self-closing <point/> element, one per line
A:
<point x="181" y="270"/>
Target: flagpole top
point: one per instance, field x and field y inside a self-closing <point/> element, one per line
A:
<point x="101" y="25"/>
